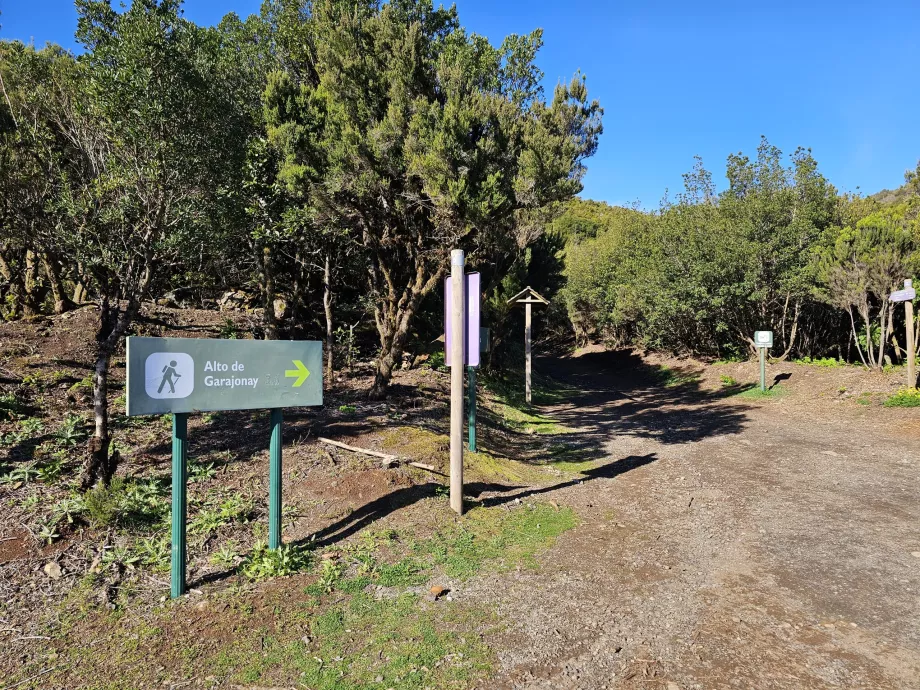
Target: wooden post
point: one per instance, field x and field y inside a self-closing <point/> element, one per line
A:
<point x="527" y="349"/>
<point x="455" y="314"/>
<point x="909" y="320"/>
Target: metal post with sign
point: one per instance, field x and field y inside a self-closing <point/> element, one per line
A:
<point x="179" y="376"/>
<point x="764" y="341"/>
<point x="907" y="295"/>
<point x="471" y="381"/>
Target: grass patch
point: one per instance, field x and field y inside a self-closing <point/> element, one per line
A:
<point x="905" y="397"/>
<point x="864" y="399"/>
<point x="527" y="420"/>
<point x="827" y="362"/>
<point x="756" y="394"/>
<point x="670" y="378"/>
<point x="341" y="635"/>
<point x="728" y="381"/>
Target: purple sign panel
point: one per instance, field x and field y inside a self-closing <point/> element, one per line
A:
<point x="471" y="321"/>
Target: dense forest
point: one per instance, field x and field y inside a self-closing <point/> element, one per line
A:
<point x="316" y="163"/>
<point x="779" y="249"/>
<point x="322" y="158"/>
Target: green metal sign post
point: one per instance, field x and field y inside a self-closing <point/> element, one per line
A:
<point x="274" y="481"/>
<point x="471" y="419"/>
<point x="179" y="503"/>
<point x="185" y="375"/>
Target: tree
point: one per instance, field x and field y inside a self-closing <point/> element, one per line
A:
<point x="419" y="138"/>
<point x="155" y="134"/>
<point x="859" y="266"/>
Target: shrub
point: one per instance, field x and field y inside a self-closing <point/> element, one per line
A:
<point x="905" y="397"/>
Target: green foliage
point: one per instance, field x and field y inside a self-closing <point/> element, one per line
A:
<point x="126" y="503"/>
<point x="826" y="362"/>
<point x="347" y="409"/>
<point x="905" y="397"/>
<point x="264" y="562"/>
<point x="11" y="406"/>
<point x="727" y="381"/>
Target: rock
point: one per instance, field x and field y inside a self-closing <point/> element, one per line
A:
<point x="672" y="685"/>
<point x="438" y="591"/>
<point x="53" y="570"/>
<point x="915" y="554"/>
<point x="831" y="453"/>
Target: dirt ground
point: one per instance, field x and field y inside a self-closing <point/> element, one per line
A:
<point x="725" y="543"/>
<point x="725" y="539"/>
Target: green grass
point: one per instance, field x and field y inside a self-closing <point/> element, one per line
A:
<point x="864" y="399"/>
<point x="905" y="397"/>
<point x="827" y="362"/>
<point x="756" y="394"/>
<point x="336" y="633"/>
<point x="728" y="381"/>
<point x="669" y="378"/>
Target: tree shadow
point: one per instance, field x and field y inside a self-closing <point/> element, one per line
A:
<point x="615" y="394"/>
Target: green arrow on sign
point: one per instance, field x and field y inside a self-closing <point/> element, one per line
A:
<point x="300" y="373"/>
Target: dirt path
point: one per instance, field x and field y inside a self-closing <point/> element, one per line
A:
<point x="724" y="544"/>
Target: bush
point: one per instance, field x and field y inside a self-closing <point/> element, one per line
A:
<point x="905" y="397"/>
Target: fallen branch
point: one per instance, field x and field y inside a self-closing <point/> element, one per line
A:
<point x="388" y="459"/>
<point x="423" y="466"/>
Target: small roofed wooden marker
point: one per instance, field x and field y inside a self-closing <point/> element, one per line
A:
<point x="907" y="296"/>
<point x="528" y="297"/>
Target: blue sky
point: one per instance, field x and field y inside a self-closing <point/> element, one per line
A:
<point x="682" y="79"/>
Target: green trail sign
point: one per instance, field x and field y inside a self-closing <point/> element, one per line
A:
<point x="196" y="375"/>
<point x="183" y="375"/>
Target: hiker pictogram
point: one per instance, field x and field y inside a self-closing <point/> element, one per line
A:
<point x="170" y="375"/>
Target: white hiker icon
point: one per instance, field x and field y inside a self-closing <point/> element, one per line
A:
<point x="169" y="375"/>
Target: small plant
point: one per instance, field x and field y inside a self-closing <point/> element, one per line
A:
<point x="347" y="409"/>
<point x="51" y="470"/>
<point x="153" y="551"/>
<point x="72" y="431"/>
<point x="226" y="556"/>
<point x="905" y="397"/>
<point x="229" y="330"/>
<point x="199" y="472"/>
<point x="47" y="532"/>
<point x="864" y="399"/>
<point x="103" y="502"/>
<point x="19" y="474"/>
<point x="728" y="381"/>
<point x="11" y="407"/>
<point x="264" y="562"/>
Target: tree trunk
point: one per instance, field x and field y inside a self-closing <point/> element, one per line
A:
<point x="855" y="338"/>
<point x="17" y="289"/>
<point x="62" y="303"/>
<point x="268" y="295"/>
<point x="30" y="306"/>
<point x="327" y="307"/>
<point x="793" y="331"/>
<point x="98" y="465"/>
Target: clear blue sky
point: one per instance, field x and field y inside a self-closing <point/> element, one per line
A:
<point x="679" y="79"/>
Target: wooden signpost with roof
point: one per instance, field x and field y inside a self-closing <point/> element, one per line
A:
<point x="528" y="297"/>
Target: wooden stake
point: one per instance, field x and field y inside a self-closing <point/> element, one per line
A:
<point x="455" y="314"/>
<point x="527" y="349"/>
<point x="354" y="449"/>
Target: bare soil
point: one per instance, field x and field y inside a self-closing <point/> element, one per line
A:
<point x="725" y="540"/>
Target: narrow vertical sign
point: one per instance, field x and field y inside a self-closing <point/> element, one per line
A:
<point x="471" y="315"/>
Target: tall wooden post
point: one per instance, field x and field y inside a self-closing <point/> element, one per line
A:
<point x="458" y="338"/>
<point x="527" y="349"/>
<point x="909" y="320"/>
